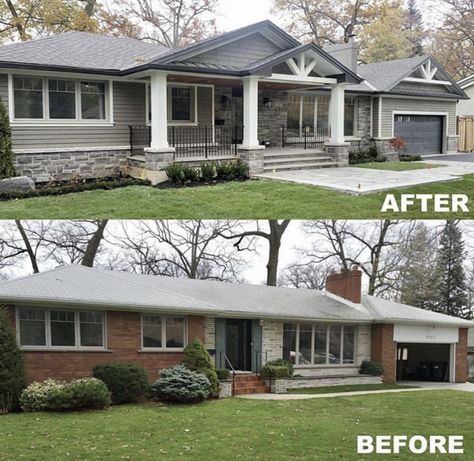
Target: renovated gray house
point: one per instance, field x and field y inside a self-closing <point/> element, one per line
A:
<point x="466" y="107"/>
<point x="93" y="105"/>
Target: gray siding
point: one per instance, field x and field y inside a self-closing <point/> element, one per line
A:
<point x="415" y="105"/>
<point x="129" y="109"/>
<point x="239" y="53"/>
<point x="204" y="99"/>
<point x="375" y="118"/>
<point x="466" y="106"/>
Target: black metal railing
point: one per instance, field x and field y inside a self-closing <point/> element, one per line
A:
<point x="305" y="136"/>
<point x="222" y="361"/>
<point x="192" y="141"/>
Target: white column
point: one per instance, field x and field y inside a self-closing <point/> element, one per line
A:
<point x="250" y="140"/>
<point x="336" y="113"/>
<point x="159" y="112"/>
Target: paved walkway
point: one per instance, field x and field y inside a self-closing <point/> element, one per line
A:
<point x="355" y="180"/>
<point x="466" y="387"/>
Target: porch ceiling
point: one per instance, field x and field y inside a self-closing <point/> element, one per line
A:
<point x="235" y="83"/>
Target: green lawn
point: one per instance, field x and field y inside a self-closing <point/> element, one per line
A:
<point x="398" y="166"/>
<point x="349" y="388"/>
<point x="248" y="200"/>
<point x="319" y="429"/>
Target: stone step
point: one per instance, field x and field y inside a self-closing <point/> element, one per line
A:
<point x="294" y="154"/>
<point x="297" y="160"/>
<point x="299" y="166"/>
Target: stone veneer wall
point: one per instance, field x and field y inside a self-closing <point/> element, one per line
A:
<point x="363" y="117"/>
<point x="272" y="339"/>
<point x="270" y="120"/>
<point x="209" y="332"/>
<point x="58" y="166"/>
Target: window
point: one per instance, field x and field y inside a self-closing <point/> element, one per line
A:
<point x="28" y="96"/>
<point x="32" y="327"/>
<point x="319" y="344"/>
<point x="48" y="99"/>
<point x="181" y="104"/>
<point x="163" y="332"/>
<point x="54" y="328"/>
<point x="62" y="99"/>
<point x="349" y="116"/>
<point x="93" y="100"/>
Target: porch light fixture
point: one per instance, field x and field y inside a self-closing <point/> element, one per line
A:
<point x="268" y="103"/>
<point x="225" y="102"/>
<point x="261" y="322"/>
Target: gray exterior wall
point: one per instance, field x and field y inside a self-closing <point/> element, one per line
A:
<point x="239" y="53"/>
<point x="466" y="106"/>
<point x="363" y="120"/>
<point x="375" y="117"/>
<point x="271" y="120"/>
<point x="129" y="109"/>
<point x="415" y="105"/>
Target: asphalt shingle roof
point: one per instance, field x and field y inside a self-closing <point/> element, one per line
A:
<point x="82" y="50"/>
<point x="79" y="285"/>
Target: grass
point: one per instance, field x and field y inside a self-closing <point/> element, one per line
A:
<point x="319" y="429"/>
<point x="349" y="388"/>
<point x="234" y="200"/>
<point x="398" y="166"/>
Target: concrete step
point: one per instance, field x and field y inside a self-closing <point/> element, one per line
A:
<point x="253" y="390"/>
<point x="297" y="160"/>
<point x="248" y="384"/>
<point x="299" y="166"/>
<point x="295" y="154"/>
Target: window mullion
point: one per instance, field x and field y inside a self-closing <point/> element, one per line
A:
<point x="328" y="333"/>
<point x="163" y="332"/>
<point x="312" y="344"/>
<point x="77" y="333"/>
<point x="45" y="99"/>
<point x="47" y="319"/>
<point x="297" y="361"/>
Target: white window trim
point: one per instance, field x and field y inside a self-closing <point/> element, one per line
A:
<point x="46" y="121"/>
<point x="327" y="364"/>
<point x="163" y="348"/>
<point x="47" y="320"/>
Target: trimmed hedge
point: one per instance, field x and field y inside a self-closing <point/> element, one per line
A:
<point x="365" y="156"/>
<point x="70" y="188"/>
<point x="273" y="371"/>
<point x="128" y="383"/>
<point x="283" y="363"/>
<point x="409" y="158"/>
<point x="371" y="368"/>
<point x="223" y="374"/>
<point x="52" y="395"/>
<point x="181" y="385"/>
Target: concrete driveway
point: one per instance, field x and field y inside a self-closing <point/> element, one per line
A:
<point x="356" y="181"/>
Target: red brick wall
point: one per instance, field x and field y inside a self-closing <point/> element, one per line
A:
<point x="123" y="345"/>
<point x="383" y="350"/>
<point x="461" y="357"/>
<point x="346" y="284"/>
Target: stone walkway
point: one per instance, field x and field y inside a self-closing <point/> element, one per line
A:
<point x="357" y="181"/>
<point x="466" y="387"/>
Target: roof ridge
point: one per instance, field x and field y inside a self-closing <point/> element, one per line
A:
<point x="36" y="274"/>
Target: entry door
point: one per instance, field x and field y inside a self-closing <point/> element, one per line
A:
<point x="423" y="133"/>
<point x="239" y="343"/>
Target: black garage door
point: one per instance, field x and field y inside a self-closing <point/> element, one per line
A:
<point x="423" y="362"/>
<point x="423" y="133"/>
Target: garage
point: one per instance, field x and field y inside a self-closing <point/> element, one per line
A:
<point x="423" y="362"/>
<point x="423" y="134"/>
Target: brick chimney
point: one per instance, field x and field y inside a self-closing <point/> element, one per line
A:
<point x="346" y="284"/>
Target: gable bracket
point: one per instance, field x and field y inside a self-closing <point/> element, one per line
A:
<point x="301" y="69"/>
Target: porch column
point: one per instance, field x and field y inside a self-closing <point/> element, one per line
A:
<point x="159" y="112"/>
<point x="336" y="113"/>
<point x="250" y="140"/>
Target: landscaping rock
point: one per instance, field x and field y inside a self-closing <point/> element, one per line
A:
<point x="18" y="184"/>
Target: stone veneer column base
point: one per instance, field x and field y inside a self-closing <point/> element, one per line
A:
<point x="253" y="157"/>
<point x="338" y="152"/>
<point x="452" y="143"/>
<point x="151" y="165"/>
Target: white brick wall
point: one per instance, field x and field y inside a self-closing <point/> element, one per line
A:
<point x="272" y="339"/>
<point x="210" y="333"/>
<point x="363" y="343"/>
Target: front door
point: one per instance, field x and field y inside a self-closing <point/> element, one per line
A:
<point x="239" y="343"/>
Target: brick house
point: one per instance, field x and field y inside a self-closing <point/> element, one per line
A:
<point x="94" y="105"/>
<point x="70" y="319"/>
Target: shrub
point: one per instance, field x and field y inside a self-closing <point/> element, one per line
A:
<point x="370" y="154"/>
<point x="208" y="171"/>
<point x="196" y="358"/>
<point x="12" y="374"/>
<point x="181" y="385"/>
<point x="7" y="170"/>
<point x="409" y="158"/>
<point x="175" y="173"/>
<point x="241" y="169"/>
<point x="283" y="363"/>
<point x="52" y="395"/>
<point x="273" y="371"/>
<point x="128" y="383"/>
<point x="371" y="368"/>
<point x="397" y="143"/>
<point x="225" y="170"/>
<point x="191" y="174"/>
<point x="223" y="374"/>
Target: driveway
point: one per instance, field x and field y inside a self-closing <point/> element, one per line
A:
<point x="459" y="157"/>
<point x="356" y="181"/>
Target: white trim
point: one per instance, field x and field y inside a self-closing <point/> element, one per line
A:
<point x="301" y="79"/>
<point x="379" y="133"/>
<point x="163" y="348"/>
<point x="452" y="363"/>
<point x="372" y="116"/>
<point x="47" y="326"/>
<point x="427" y="81"/>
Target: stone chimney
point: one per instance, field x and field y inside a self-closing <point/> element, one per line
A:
<point x="346" y="53"/>
<point x="346" y="284"/>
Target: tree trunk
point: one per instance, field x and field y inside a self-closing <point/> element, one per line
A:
<point x="19" y="27"/>
<point x="274" y="241"/>
<point x="29" y="249"/>
<point x="94" y="244"/>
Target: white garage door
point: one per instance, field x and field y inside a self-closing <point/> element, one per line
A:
<point x="431" y="334"/>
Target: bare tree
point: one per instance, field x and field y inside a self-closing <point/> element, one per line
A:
<point x="273" y="237"/>
<point x="310" y="275"/>
<point x="172" y="23"/>
<point x="192" y="249"/>
<point x="373" y="246"/>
